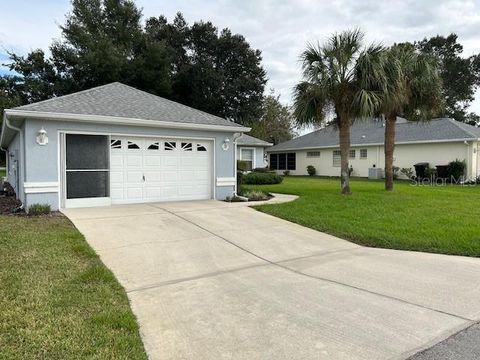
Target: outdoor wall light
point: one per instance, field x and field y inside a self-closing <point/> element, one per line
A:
<point x="226" y="144"/>
<point x="42" y="138"/>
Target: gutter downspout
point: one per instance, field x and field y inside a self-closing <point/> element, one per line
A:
<point x="236" y="136"/>
<point x="22" y="150"/>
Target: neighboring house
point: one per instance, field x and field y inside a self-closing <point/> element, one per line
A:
<point x="437" y="142"/>
<point x="114" y="144"/>
<point x="252" y="151"/>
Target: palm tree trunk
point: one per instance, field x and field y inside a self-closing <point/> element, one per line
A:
<point x="390" y="120"/>
<point x="344" y="127"/>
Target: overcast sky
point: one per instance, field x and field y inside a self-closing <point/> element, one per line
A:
<point x="279" y="28"/>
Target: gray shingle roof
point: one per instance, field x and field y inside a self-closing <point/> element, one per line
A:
<point x="247" y="140"/>
<point x="372" y="132"/>
<point x="119" y="100"/>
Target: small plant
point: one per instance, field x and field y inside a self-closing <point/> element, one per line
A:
<point x="39" y="209"/>
<point x="311" y="170"/>
<point x="256" y="178"/>
<point x="395" y="169"/>
<point x="456" y="169"/>
<point x="256" y="195"/>
<point x="408" y="172"/>
<point x="286" y="173"/>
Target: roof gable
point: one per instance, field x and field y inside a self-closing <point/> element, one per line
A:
<point x="247" y="140"/>
<point x="123" y="101"/>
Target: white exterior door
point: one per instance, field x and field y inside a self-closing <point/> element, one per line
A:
<point x="150" y="169"/>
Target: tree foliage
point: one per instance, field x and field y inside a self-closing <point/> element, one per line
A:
<point x="460" y="75"/>
<point x="337" y="78"/>
<point x="410" y="85"/>
<point x="104" y="41"/>
<point x="276" y="124"/>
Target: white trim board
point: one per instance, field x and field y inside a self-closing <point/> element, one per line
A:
<point x="226" y="181"/>
<point x="41" y="187"/>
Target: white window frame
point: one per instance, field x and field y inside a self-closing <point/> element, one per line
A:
<point x="366" y="154"/>
<point x="350" y="154"/>
<point x="336" y="158"/>
<point x="254" y="156"/>
<point x="313" y="152"/>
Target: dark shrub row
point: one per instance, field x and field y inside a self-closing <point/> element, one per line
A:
<point x="261" y="178"/>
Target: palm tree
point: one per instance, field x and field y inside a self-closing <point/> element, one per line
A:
<point x="337" y="77"/>
<point x="410" y="86"/>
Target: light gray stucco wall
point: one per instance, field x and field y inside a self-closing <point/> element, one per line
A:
<point x="42" y="162"/>
<point x="259" y="154"/>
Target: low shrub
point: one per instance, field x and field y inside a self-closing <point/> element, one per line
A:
<point x="256" y="195"/>
<point x="456" y="169"/>
<point x="430" y="172"/>
<point x="256" y="178"/>
<point x="311" y="170"/>
<point x="263" y="170"/>
<point x="395" y="169"/>
<point x="286" y="173"/>
<point x="39" y="209"/>
<point x="239" y="179"/>
<point x="408" y="172"/>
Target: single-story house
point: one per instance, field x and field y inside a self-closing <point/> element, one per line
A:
<point x="252" y="151"/>
<point x="437" y="142"/>
<point x="114" y="144"/>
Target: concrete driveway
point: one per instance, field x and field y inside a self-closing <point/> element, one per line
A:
<point x="211" y="280"/>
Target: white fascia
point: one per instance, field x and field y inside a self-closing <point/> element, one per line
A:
<point x="375" y="144"/>
<point x="122" y="121"/>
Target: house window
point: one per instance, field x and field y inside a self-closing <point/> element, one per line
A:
<point x="246" y="155"/>
<point x="200" y="147"/>
<point x="337" y="158"/>
<point x="351" y="154"/>
<point x="283" y="161"/>
<point x="273" y="161"/>
<point x="363" y="153"/>
<point x="313" y="154"/>
<point x="170" y="145"/>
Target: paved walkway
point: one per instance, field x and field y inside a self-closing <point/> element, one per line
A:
<point x="211" y="280"/>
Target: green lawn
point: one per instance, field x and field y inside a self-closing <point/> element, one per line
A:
<point x="432" y="219"/>
<point x="57" y="300"/>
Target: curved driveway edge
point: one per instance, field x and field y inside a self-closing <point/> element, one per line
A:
<point x="212" y="280"/>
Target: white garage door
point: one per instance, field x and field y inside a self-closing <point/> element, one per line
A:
<point x="149" y="169"/>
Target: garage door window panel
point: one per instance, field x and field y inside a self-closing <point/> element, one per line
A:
<point x="154" y="146"/>
<point x="133" y="146"/>
<point x="170" y="145"/>
<point x="187" y="146"/>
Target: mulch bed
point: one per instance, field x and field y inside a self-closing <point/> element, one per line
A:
<point x="8" y="200"/>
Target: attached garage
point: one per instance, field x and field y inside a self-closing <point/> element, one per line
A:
<point x="116" y="145"/>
